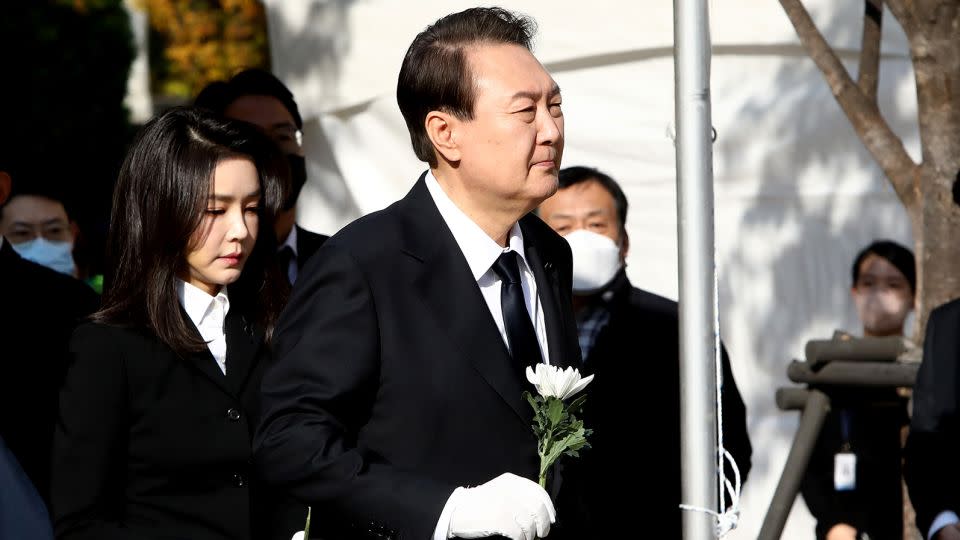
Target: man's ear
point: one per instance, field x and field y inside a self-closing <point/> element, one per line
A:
<point x="74" y="231"/>
<point x="442" y="130"/>
<point x="6" y="185"/>
<point x="624" y="244"/>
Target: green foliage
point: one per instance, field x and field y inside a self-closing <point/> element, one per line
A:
<point x="558" y="430"/>
<point x="193" y="43"/>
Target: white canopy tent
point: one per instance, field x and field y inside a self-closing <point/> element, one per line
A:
<point x="796" y="194"/>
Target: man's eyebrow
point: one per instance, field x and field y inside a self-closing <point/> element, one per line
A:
<point x="569" y="215"/>
<point x="555" y="91"/>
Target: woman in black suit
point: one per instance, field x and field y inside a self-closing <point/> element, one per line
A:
<point x="160" y="401"/>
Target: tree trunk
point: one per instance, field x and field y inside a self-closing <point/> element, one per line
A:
<point x="935" y="49"/>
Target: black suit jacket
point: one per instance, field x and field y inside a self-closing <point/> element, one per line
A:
<point x="932" y="466"/>
<point x="39" y="308"/>
<point x="152" y="445"/>
<point x="392" y="384"/>
<point x="633" y="407"/>
<point x="308" y="243"/>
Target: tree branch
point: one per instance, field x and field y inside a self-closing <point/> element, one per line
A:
<point x="868" y="73"/>
<point x="905" y="17"/>
<point x="882" y="143"/>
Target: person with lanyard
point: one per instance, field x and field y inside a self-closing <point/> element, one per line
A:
<point x="852" y="484"/>
<point x="627" y="334"/>
<point x="161" y="397"/>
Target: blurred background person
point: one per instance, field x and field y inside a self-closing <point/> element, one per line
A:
<point x="627" y="335"/>
<point x="865" y="423"/>
<point x="258" y="97"/>
<point x="37" y="224"/>
<point x="39" y="308"/>
<point x="161" y="397"/>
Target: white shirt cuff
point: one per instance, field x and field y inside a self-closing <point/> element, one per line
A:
<point x="943" y="519"/>
<point x="443" y="524"/>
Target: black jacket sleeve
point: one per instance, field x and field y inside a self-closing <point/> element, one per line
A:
<point x="316" y="397"/>
<point x="88" y="445"/>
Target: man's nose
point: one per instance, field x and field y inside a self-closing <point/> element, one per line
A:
<point x="551" y="128"/>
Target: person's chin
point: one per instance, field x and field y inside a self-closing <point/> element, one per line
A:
<point x="545" y="180"/>
<point x="229" y="276"/>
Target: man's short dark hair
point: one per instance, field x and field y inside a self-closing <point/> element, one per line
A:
<point x="435" y="75"/>
<point x="571" y="176"/>
<point x="897" y="255"/>
<point x="218" y="95"/>
<point x="44" y="188"/>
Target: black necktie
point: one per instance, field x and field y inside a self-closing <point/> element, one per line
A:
<point x="520" y="334"/>
<point x="286" y="257"/>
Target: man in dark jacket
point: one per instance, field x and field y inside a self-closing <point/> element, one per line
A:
<point x="630" y="339"/>
<point x="40" y="308"/>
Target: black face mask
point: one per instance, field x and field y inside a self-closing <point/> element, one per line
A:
<point x="298" y="177"/>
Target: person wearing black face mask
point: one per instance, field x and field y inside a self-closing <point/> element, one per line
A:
<point x="627" y="334"/>
<point x="258" y="97"/>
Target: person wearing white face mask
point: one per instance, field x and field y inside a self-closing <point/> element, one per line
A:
<point x="627" y="335"/>
<point x="864" y="425"/>
<point x="39" y="308"/>
<point x="38" y="228"/>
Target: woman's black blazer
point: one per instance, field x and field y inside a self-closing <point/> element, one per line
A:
<point x="153" y="445"/>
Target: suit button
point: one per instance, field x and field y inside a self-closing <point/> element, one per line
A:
<point x="238" y="480"/>
<point x="233" y="415"/>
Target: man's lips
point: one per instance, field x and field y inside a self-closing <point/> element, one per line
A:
<point x="545" y="163"/>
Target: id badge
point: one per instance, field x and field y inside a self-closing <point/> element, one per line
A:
<point x="845" y="471"/>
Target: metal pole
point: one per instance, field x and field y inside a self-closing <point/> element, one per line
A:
<point x="697" y="287"/>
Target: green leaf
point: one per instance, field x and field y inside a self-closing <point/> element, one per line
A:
<point x="577" y="404"/>
<point x="555" y="410"/>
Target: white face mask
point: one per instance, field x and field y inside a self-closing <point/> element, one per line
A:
<point x="596" y="260"/>
<point x="54" y="255"/>
<point x="882" y="312"/>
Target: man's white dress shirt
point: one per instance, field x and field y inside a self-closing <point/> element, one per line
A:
<point x="481" y="252"/>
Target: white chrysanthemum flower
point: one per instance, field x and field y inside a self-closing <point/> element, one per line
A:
<point x="552" y="381"/>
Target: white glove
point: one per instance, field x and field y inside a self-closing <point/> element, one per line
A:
<point x="508" y="505"/>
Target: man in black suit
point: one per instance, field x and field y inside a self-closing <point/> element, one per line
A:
<point x="40" y="309"/>
<point x="627" y="335"/>
<point x="932" y="461"/>
<point x="399" y="358"/>
<point x="258" y="97"/>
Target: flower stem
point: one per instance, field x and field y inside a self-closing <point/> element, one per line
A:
<point x="306" y="527"/>
<point x="543" y="481"/>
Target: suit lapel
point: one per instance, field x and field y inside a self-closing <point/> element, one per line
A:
<point x="204" y="361"/>
<point x="548" y="290"/>
<point x="442" y="278"/>
<point x="242" y="345"/>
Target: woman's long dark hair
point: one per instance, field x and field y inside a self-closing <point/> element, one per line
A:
<point x="158" y="203"/>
